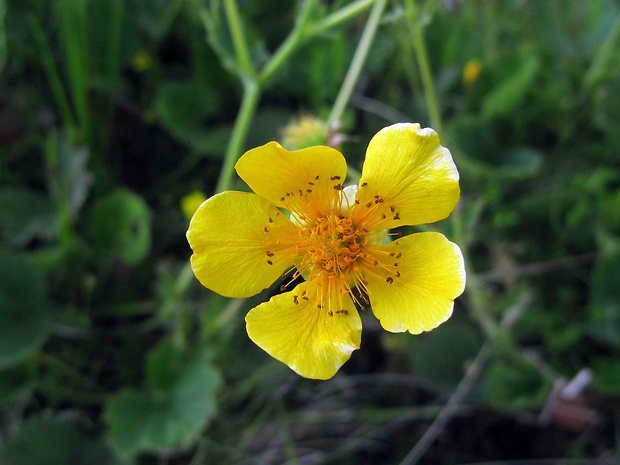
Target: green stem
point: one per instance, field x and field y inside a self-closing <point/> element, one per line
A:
<point x="359" y="58"/>
<point x="251" y="96"/>
<point x="297" y="36"/>
<point x="478" y="302"/>
<point x="303" y="32"/>
<point x="236" y="29"/>
<point x="341" y="16"/>
<point x="419" y="46"/>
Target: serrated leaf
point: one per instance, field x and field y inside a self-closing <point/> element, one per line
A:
<point x="25" y="215"/>
<point x="121" y="227"/>
<point x="184" y="108"/>
<point x="515" y="386"/>
<point x="172" y="409"/>
<point x="70" y="180"/>
<point x="25" y="322"/>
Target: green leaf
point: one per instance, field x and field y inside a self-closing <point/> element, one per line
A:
<point x="441" y="356"/>
<point x="606" y="375"/>
<point x="25" y="322"/>
<point x="521" y="162"/>
<point x="16" y="381"/>
<point x="511" y="91"/>
<point x="604" y="300"/>
<point x="515" y="386"/>
<point x="479" y="140"/>
<point x="25" y="215"/>
<point x="172" y="409"/>
<point x="53" y="441"/>
<point x="184" y="109"/>
<point x="70" y="180"/>
<point x="121" y="227"/>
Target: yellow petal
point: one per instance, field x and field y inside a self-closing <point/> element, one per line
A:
<point x="408" y="178"/>
<point x="302" y="181"/>
<point x="241" y="243"/>
<point x="291" y="328"/>
<point x="418" y="293"/>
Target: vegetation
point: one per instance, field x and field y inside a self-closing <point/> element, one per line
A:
<point x="114" y="114"/>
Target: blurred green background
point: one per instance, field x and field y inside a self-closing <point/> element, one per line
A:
<point x="117" y="115"/>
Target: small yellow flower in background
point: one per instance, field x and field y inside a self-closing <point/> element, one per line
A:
<point x="305" y="132"/>
<point x="302" y="221"/>
<point x="191" y="202"/>
<point x="141" y="62"/>
<point x="471" y="72"/>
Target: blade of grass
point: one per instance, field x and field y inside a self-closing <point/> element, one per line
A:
<point x="72" y="29"/>
<point x="53" y="76"/>
<point x="112" y="72"/>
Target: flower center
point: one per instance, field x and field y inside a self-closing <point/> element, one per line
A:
<point x="331" y="245"/>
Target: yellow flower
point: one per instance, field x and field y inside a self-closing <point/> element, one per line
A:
<point x="191" y="202"/>
<point x="338" y="239"/>
<point x="471" y="72"/>
<point x="141" y="61"/>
